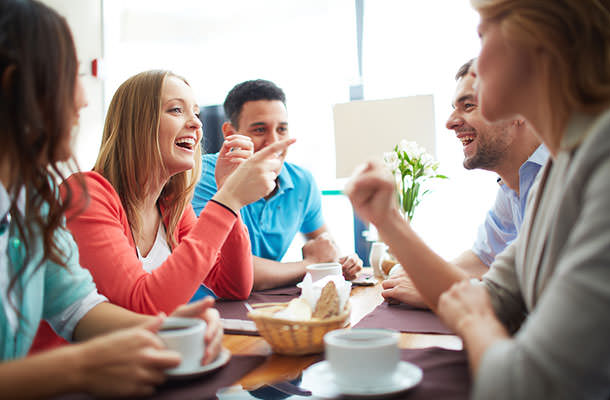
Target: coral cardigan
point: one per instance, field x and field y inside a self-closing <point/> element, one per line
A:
<point x="213" y="249"/>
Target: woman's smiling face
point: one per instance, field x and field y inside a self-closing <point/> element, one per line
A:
<point x="179" y="126"/>
<point x="505" y="71"/>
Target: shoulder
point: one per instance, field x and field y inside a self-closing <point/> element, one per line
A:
<point x="94" y="182"/>
<point x="90" y="187"/>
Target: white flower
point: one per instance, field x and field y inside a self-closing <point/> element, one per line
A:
<point x="403" y="145"/>
<point x="414" y="150"/>
<point x="390" y="159"/>
<point x="426" y="159"/>
<point x="406" y="162"/>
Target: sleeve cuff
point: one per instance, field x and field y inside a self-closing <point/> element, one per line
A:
<point x="228" y="208"/>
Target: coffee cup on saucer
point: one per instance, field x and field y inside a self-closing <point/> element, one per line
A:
<point x="362" y="358"/>
<point x="185" y="336"/>
<point x="319" y="271"/>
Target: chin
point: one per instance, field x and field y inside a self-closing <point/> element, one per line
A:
<point x="178" y="168"/>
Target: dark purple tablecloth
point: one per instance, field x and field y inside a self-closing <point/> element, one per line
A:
<point x="204" y="387"/>
<point x="207" y="386"/>
<point x="446" y="374"/>
<point x="403" y="318"/>
<point x="237" y="310"/>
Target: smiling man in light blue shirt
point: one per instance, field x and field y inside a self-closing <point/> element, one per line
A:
<point x="509" y="148"/>
<point x="257" y="117"/>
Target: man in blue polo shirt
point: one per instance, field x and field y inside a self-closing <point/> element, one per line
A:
<point x="257" y="118"/>
<point x="509" y="148"/>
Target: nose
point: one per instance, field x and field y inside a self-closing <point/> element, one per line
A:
<point x="454" y="121"/>
<point x="272" y="137"/>
<point x="194" y="122"/>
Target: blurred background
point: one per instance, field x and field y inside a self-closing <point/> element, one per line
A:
<point x="310" y="49"/>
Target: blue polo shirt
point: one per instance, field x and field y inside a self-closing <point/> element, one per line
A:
<point x="272" y="224"/>
<point x="503" y="220"/>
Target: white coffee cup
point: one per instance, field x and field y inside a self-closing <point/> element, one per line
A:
<point x="185" y="336"/>
<point x="362" y="358"/>
<point x="378" y="250"/>
<point x="319" y="271"/>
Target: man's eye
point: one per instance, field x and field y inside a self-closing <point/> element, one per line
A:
<point x="469" y="106"/>
<point x="259" y="130"/>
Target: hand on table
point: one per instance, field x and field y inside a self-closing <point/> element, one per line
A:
<point x="128" y="362"/>
<point x="235" y="150"/>
<point x="320" y="249"/>
<point x="351" y="265"/>
<point x="213" y="334"/>
<point x="401" y="288"/>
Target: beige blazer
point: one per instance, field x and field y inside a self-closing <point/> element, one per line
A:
<point x="551" y="287"/>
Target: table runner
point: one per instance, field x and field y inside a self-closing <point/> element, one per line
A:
<point x="235" y="309"/>
<point x="446" y="374"/>
<point x="207" y="386"/>
<point x="403" y="318"/>
<point x="204" y="387"/>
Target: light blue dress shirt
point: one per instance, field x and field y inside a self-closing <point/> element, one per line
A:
<point x="504" y="219"/>
<point x="272" y="224"/>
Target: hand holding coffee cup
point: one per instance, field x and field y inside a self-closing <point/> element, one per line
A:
<point x="186" y="337"/>
<point x="204" y="309"/>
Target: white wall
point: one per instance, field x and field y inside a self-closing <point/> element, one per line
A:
<point x="410" y="47"/>
<point x="85" y="20"/>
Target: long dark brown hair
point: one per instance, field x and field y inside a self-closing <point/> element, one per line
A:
<point x="38" y="72"/>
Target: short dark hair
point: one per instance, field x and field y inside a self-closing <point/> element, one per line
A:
<point x="258" y="89"/>
<point x="463" y="71"/>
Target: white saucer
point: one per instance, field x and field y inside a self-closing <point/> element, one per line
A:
<point x="320" y="380"/>
<point x="221" y="360"/>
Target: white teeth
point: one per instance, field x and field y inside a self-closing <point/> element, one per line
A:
<point x="190" y="141"/>
<point x="466" y="140"/>
<point x="187" y="143"/>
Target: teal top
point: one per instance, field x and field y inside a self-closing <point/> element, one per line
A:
<point x="40" y="294"/>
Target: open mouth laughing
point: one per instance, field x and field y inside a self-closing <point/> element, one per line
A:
<point x="187" y="143"/>
<point x="466" y="137"/>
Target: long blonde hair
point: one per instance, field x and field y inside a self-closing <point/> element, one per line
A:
<point x="130" y="151"/>
<point x="576" y="33"/>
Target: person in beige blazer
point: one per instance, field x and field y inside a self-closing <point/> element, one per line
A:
<point x="538" y="324"/>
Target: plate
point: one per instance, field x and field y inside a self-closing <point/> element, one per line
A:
<point x="221" y="360"/>
<point x="320" y="380"/>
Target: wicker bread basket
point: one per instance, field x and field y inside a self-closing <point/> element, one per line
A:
<point x="295" y="337"/>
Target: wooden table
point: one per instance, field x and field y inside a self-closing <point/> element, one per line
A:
<point x="278" y="368"/>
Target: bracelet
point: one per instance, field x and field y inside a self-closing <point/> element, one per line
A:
<point x="228" y="208"/>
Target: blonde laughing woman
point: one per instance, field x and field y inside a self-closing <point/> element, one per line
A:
<point x="138" y="234"/>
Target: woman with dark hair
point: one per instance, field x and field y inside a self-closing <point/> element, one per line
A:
<point x="537" y="326"/>
<point x="40" y="277"/>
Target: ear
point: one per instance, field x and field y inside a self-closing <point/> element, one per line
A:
<point x="228" y="129"/>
